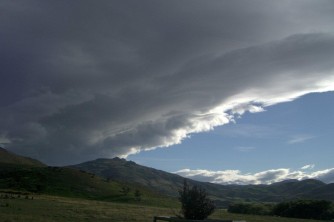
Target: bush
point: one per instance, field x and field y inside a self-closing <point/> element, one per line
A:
<point x="195" y="203"/>
<point x="125" y="190"/>
<point x="137" y="194"/>
<point x="250" y="208"/>
<point x="307" y="209"/>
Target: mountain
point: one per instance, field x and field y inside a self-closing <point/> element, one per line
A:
<point x="295" y="187"/>
<point x="167" y="183"/>
<point x="127" y="171"/>
<point x="7" y="157"/>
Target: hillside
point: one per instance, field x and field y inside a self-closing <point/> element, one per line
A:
<point x="11" y="158"/>
<point x="61" y="181"/>
<point x="127" y="171"/>
<point x="68" y="182"/>
<point x="167" y="183"/>
<point x="324" y="192"/>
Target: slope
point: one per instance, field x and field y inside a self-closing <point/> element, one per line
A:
<point x="11" y="158"/>
<point x="127" y="171"/>
<point x="63" y="181"/>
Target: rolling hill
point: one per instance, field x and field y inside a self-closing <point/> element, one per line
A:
<point x="11" y="158"/>
<point x="167" y="183"/>
<point x="29" y="175"/>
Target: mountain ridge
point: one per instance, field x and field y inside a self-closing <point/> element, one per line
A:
<point x="128" y="171"/>
<point x="168" y="183"/>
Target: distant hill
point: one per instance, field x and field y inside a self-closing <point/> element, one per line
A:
<point x="127" y="171"/>
<point x="167" y="183"/>
<point x="11" y="158"/>
<point x="297" y="188"/>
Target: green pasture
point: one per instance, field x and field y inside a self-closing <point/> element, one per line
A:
<point x="43" y="208"/>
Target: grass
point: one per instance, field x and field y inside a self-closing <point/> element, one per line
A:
<point x="51" y="208"/>
<point x="223" y="214"/>
<point x="44" y="208"/>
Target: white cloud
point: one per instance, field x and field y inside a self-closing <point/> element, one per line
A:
<point x="308" y="167"/>
<point x="242" y="108"/>
<point x="264" y="177"/>
<point x="300" y="139"/>
<point x="4" y="140"/>
<point x="326" y="175"/>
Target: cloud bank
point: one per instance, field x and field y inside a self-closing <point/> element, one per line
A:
<point x="81" y="80"/>
<point x="264" y="177"/>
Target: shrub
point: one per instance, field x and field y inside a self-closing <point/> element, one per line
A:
<point x="307" y="209"/>
<point x="125" y="190"/>
<point x="250" y="208"/>
<point x="195" y="203"/>
<point x="137" y="194"/>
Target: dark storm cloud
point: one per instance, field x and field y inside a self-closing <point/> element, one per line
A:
<point x="84" y="79"/>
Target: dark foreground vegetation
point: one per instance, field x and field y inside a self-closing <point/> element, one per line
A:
<point x="195" y="204"/>
<point x="306" y="209"/>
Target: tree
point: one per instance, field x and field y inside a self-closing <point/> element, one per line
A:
<point x="125" y="190"/>
<point x="137" y="195"/>
<point x="195" y="203"/>
<point x="250" y="208"/>
<point x="307" y="209"/>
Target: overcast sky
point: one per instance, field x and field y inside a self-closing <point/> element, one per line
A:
<point x="87" y="79"/>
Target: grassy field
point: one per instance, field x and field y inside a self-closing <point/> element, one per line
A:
<point x="45" y="208"/>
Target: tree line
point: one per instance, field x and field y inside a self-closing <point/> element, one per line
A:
<point x="305" y="209"/>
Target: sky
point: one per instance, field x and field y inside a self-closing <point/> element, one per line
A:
<point x="220" y="91"/>
<point x="292" y="140"/>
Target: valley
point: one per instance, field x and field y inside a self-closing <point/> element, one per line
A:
<point x="108" y="189"/>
